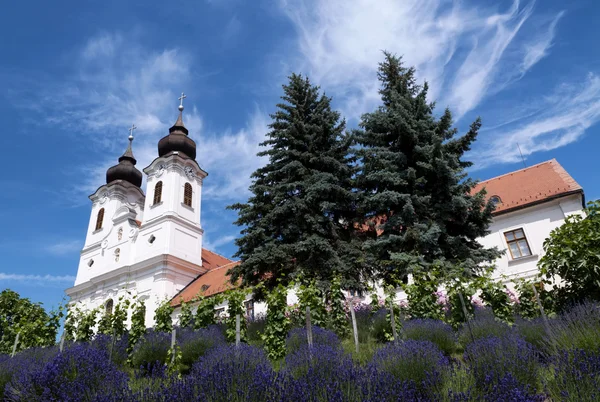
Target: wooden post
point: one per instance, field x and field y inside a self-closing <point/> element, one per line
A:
<point x="544" y="317"/>
<point x="15" y="344"/>
<point x="466" y="313"/>
<point x="237" y="330"/>
<point x="173" y="340"/>
<point x="354" y="326"/>
<point x="393" y="320"/>
<point x="62" y="342"/>
<point x="308" y="328"/>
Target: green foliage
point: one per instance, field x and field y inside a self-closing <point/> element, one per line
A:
<point x="205" y="312"/>
<point x="422" y="294"/>
<point x="20" y="315"/>
<point x="119" y="316"/>
<point x="174" y="359"/>
<point x="527" y="307"/>
<point x="494" y="294"/>
<point x="186" y="318"/>
<point x="162" y="317"/>
<point x="455" y="287"/>
<point x="572" y="252"/>
<point x="277" y="324"/>
<point x="338" y="320"/>
<point x="85" y="326"/>
<point x="413" y="188"/>
<point x="235" y="306"/>
<point x="390" y="295"/>
<point x="298" y="218"/>
<point x="105" y="323"/>
<point x="70" y="324"/>
<point x="138" y="326"/>
<point x="309" y="295"/>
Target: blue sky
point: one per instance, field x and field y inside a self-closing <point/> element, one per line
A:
<point x="76" y="74"/>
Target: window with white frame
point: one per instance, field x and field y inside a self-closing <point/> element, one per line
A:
<point x="517" y="243"/>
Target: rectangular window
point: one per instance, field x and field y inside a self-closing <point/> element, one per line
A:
<point x="517" y="243"/>
<point x="249" y="309"/>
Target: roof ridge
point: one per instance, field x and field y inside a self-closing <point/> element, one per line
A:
<point x="222" y="256"/>
<point x="520" y="170"/>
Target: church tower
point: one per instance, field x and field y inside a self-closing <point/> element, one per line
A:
<point x="150" y="246"/>
<point x="116" y="206"/>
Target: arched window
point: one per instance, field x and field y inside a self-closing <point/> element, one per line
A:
<point x="157" y="193"/>
<point x="99" y="219"/>
<point x="108" y="307"/>
<point x="495" y="200"/>
<point x="187" y="194"/>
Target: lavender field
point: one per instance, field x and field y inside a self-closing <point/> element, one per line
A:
<point x="485" y="360"/>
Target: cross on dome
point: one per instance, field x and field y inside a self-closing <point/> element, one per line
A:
<point x="133" y="127"/>
<point x="181" y="98"/>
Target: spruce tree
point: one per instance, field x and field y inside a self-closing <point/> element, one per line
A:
<point x="298" y="219"/>
<point x="419" y="207"/>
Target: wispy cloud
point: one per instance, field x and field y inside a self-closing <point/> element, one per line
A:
<point x="220" y="241"/>
<point x="65" y="247"/>
<point x="460" y="49"/>
<point x="36" y="279"/>
<point x="562" y="118"/>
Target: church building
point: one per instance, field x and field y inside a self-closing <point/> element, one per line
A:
<point x="149" y="246"/>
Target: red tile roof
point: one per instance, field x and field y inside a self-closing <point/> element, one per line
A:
<point x="529" y="186"/>
<point x="212" y="282"/>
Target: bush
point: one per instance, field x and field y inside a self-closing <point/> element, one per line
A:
<point x="297" y="338"/>
<point x="492" y="359"/>
<point x="576" y="376"/>
<point x="24" y="361"/>
<point x="80" y="373"/>
<point x="256" y="327"/>
<point x="420" y="362"/>
<point x="363" y="313"/>
<point x="434" y="331"/>
<point x="482" y="326"/>
<point x="380" y="326"/>
<point x="578" y="328"/>
<point x="534" y="332"/>
<point x="152" y="349"/>
<point x="116" y="347"/>
<point x="229" y="373"/>
<point x="195" y="344"/>
<point x="322" y="372"/>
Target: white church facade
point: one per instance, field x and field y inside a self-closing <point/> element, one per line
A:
<point x="149" y="244"/>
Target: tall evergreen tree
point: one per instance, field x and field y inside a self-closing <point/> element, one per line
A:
<point x="297" y="220"/>
<point x="414" y="192"/>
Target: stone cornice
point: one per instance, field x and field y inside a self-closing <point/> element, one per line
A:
<point x="172" y="266"/>
<point x="115" y="188"/>
<point x="173" y="217"/>
<point x="174" y="161"/>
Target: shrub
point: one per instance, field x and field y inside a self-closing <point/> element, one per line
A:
<point x="381" y="328"/>
<point x="152" y="349"/>
<point x="492" y="359"/>
<point x="534" y="332"/>
<point x="195" y="344"/>
<point x="229" y="373"/>
<point x="482" y="326"/>
<point x="80" y="373"/>
<point x="322" y="372"/>
<point x="576" y="376"/>
<point x="420" y="362"/>
<point x="297" y="338"/>
<point x="256" y="327"/>
<point x="434" y="331"/>
<point x="578" y="328"/>
<point x="24" y="361"/>
<point x="116" y="347"/>
<point x="363" y="313"/>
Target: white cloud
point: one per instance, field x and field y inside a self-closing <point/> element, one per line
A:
<point x="460" y="50"/>
<point x="36" y="279"/>
<point x="65" y="247"/>
<point x="220" y="241"/>
<point x="562" y="119"/>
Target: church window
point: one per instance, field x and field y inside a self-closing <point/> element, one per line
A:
<point x="151" y="239"/>
<point x="99" y="219"/>
<point x="120" y="234"/>
<point x="187" y="194"/>
<point x="90" y="262"/>
<point x="517" y="244"/>
<point x="117" y="254"/>
<point x="495" y="200"/>
<point x="108" y="307"/>
<point x="157" y="193"/>
<point x="249" y="304"/>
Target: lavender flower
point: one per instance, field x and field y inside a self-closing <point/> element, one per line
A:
<point x="434" y="331"/>
<point x="297" y="338"/>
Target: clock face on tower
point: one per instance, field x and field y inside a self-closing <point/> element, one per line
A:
<point x="189" y="172"/>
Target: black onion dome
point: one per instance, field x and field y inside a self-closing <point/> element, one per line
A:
<point x="177" y="140"/>
<point x="125" y="169"/>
